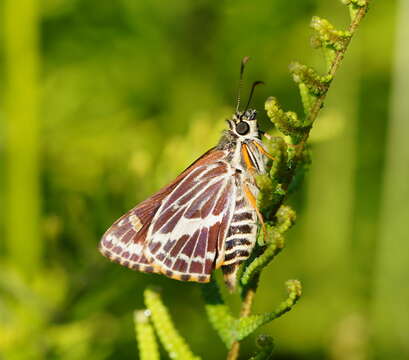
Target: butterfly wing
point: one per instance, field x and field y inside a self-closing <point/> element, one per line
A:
<point x="187" y="235"/>
<point x="126" y="241"/>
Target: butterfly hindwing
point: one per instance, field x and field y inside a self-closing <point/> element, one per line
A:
<point x="187" y="235"/>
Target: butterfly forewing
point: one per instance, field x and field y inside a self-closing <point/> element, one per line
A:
<point x="125" y="240"/>
<point x="179" y="231"/>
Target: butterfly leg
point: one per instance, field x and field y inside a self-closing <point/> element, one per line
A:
<point x="263" y="151"/>
<point x="253" y="203"/>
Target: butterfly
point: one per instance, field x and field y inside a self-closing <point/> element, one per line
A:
<point x="206" y="218"/>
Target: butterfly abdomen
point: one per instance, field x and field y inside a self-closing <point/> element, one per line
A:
<point x="240" y="240"/>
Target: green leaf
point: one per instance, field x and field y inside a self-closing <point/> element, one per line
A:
<point x="247" y="325"/>
<point x="306" y="98"/>
<point x="285" y="219"/>
<point x="354" y="6"/>
<point x="268" y="253"/>
<point x="218" y="312"/>
<point x="286" y="122"/>
<point x="145" y="337"/>
<point x="327" y="36"/>
<point x="278" y="149"/>
<point x="171" y="340"/>
<point x="315" y="84"/>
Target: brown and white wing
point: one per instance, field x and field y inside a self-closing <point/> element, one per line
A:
<point x="126" y="240"/>
<point x="187" y="236"/>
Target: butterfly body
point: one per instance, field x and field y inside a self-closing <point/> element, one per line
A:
<point x="205" y="219"/>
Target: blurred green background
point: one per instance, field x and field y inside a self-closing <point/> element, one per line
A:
<point x="103" y="102"/>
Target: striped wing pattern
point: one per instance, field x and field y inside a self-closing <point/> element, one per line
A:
<point x="179" y="231"/>
<point x="201" y="221"/>
<point x="124" y="241"/>
<point x="186" y="238"/>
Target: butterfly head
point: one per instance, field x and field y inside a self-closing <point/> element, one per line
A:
<point x="244" y="124"/>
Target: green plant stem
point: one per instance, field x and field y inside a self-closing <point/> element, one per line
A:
<point x="245" y="311"/>
<point x="339" y="56"/>
<point x="249" y="293"/>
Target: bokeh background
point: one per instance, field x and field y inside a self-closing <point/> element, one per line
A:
<point x="103" y="102"/>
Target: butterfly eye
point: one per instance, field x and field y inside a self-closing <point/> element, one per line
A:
<point x="242" y="128"/>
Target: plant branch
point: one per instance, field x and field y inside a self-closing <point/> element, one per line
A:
<point x="313" y="89"/>
<point x="339" y="56"/>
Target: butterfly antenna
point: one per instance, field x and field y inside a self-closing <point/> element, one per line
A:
<point x="252" y="91"/>
<point x="244" y="61"/>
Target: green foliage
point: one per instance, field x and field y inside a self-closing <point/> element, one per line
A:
<point x="266" y="345"/>
<point x="355" y="6"/>
<point x="171" y="340"/>
<point x="145" y="336"/>
<point x="272" y="245"/>
<point x="245" y="326"/>
<point x="317" y="85"/>
<point x="279" y="218"/>
<point x="286" y="122"/>
<point x="218" y="312"/>
<point x="111" y="123"/>
<point x="233" y="329"/>
<point x="327" y="36"/>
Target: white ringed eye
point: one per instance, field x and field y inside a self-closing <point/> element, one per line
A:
<point x="242" y="128"/>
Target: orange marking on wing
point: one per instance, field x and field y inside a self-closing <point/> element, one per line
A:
<point x="253" y="203"/>
<point x="246" y="158"/>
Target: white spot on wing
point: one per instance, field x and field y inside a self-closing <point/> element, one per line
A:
<point x="135" y="222"/>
